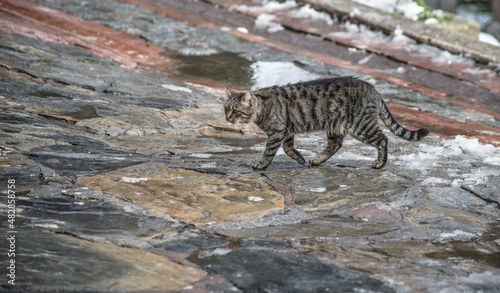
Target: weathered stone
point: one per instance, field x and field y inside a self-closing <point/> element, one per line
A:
<point x="200" y="199"/>
<point x="77" y="263"/>
<point x="377" y="213"/>
<point x="193" y="244"/>
<point x="88" y="214"/>
<point x="444" y="39"/>
<point x="313" y="228"/>
<point x="489" y="191"/>
<point x="340" y="189"/>
<point x="59" y="102"/>
<point x="256" y="271"/>
<point x="454" y="224"/>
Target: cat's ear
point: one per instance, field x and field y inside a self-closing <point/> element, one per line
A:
<point x="248" y="99"/>
<point x="229" y="92"/>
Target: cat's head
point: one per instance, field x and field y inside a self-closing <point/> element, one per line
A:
<point x="240" y="106"/>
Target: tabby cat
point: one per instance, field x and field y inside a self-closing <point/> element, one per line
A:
<point x="341" y="106"/>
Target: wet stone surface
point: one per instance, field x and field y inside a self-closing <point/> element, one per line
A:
<point x="130" y="181"/>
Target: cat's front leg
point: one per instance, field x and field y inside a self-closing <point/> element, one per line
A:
<point x="273" y="143"/>
<point x="291" y="151"/>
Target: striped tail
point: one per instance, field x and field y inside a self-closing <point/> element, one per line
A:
<point x="396" y="128"/>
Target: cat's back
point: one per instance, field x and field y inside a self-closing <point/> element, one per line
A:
<point x="319" y="89"/>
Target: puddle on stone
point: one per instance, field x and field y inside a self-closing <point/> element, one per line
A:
<point x="278" y="73"/>
<point x="459" y="252"/>
<point x="234" y="70"/>
<point x="227" y="68"/>
<point x="50" y="95"/>
<point x="86" y="112"/>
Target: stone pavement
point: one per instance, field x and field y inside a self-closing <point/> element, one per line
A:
<point x="128" y="179"/>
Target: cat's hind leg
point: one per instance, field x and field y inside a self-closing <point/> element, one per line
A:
<point x="334" y="144"/>
<point x="377" y="139"/>
<point x="291" y="151"/>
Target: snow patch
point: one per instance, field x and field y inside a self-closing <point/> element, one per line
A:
<point x="408" y="8"/>
<point x="309" y="13"/>
<point x="267" y="73"/>
<point x="255" y="198"/>
<point x="466" y="152"/>
<point x="457" y="233"/>
<point x="317" y="189"/>
<point x="176" y="88"/>
<point x="267" y="6"/>
<point x="133" y="179"/>
<point x="488" y="39"/>
<point x="432" y="181"/>
<point x="265" y="22"/>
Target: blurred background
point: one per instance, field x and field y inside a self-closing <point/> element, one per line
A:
<point x="485" y="12"/>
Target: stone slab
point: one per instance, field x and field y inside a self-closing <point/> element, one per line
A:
<point x="197" y="198"/>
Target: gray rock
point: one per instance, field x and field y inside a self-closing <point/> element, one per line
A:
<point x="267" y="271"/>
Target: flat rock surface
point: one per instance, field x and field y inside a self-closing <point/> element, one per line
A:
<point x="127" y="178"/>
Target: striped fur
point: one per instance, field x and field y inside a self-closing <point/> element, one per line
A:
<point x="340" y="106"/>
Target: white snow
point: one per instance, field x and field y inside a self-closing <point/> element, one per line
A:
<point x="267" y="73"/>
<point x="432" y="181"/>
<point x="474" y="161"/>
<point x="431" y="21"/>
<point x="133" y="179"/>
<point x="399" y="37"/>
<point x="489" y="39"/>
<point x="310" y="13"/>
<point x="255" y="198"/>
<point x="365" y="60"/>
<point x="267" y="5"/>
<point x="457" y="233"/>
<point x="265" y="22"/>
<point x="317" y="189"/>
<point x="242" y="29"/>
<point x="176" y="88"/>
<point x="408" y="8"/>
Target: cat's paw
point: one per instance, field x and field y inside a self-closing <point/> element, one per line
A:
<point x="315" y="161"/>
<point x="377" y="164"/>
<point x="301" y="160"/>
<point x="260" y="166"/>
